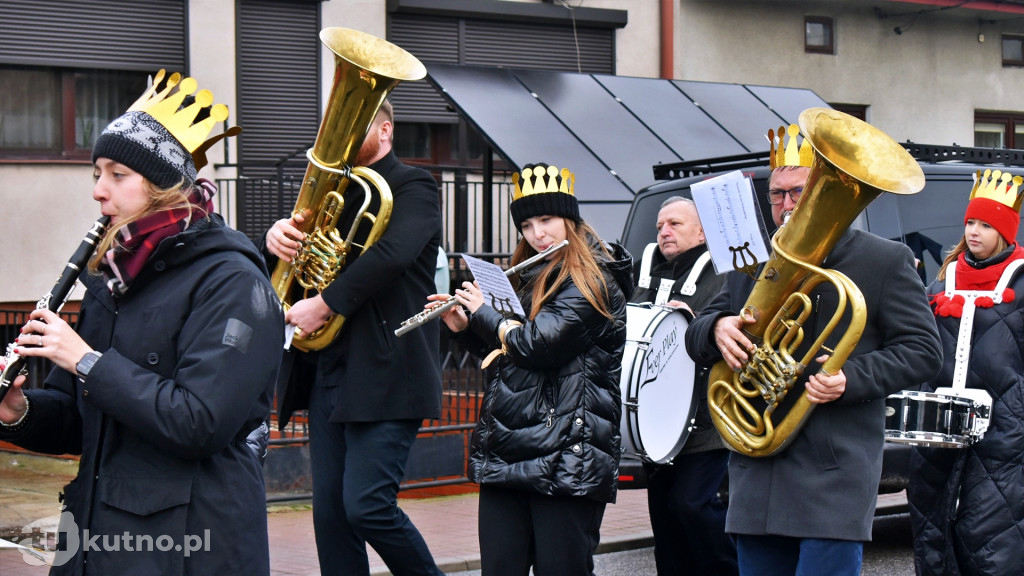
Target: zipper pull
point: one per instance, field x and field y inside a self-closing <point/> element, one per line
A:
<point x="551" y="416"/>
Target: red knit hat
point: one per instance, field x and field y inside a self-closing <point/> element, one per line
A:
<point x="996" y="201"/>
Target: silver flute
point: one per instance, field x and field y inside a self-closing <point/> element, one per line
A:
<point x="439" y="308"/>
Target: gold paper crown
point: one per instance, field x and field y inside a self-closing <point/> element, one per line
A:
<point x="790" y="156"/>
<point x="539" y="178"/>
<point x="1002" y="187"/>
<point x="181" y="123"/>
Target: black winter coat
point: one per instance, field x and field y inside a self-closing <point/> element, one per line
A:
<point x="190" y="355"/>
<point x="967" y="504"/>
<point x="383" y="376"/>
<point x="552" y="406"/>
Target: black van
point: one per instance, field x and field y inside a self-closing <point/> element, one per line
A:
<point x="929" y="222"/>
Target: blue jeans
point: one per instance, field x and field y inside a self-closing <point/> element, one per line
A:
<point x="357" y="468"/>
<point x="784" y="556"/>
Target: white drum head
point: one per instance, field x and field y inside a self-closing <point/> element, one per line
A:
<point x="657" y="384"/>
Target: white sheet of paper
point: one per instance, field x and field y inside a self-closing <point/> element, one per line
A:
<point x="498" y="292"/>
<point x="728" y="214"/>
<point x="289" y="333"/>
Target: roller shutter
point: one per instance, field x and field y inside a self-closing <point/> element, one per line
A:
<point x="482" y="42"/>
<point x="278" y="104"/>
<point x="143" y="35"/>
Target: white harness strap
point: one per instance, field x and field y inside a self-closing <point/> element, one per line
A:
<point x="665" y="284"/>
<point x="690" y="285"/>
<point x="963" y="339"/>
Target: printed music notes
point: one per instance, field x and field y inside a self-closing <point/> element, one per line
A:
<point x="494" y="284"/>
<point x="729" y="216"/>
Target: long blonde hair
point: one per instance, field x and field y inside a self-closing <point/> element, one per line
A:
<point x="960" y="248"/>
<point x="160" y="199"/>
<point x="577" y="262"/>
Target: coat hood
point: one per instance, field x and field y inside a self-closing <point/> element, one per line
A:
<point x="621" y="267"/>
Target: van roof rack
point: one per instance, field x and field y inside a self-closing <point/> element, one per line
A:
<point x="964" y="154"/>
<point x="685" y="169"/>
<point x="921" y="152"/>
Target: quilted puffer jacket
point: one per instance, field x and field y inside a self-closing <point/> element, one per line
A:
<point x="550" y="418"/>
<point x="984" y="532"/>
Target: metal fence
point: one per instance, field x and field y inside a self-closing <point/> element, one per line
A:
<point x="476" y="222"/>
<point x="11" y="322"/>
<point x="474" y="204"/>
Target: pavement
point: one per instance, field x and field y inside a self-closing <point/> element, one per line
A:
<point x="28" y="494"/>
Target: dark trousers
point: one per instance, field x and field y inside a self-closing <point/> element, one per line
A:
<point x="784" y="556"/>
<point x="688" y="517"/>
<point x="557" y="535"/>
<point x="357" y="467"/>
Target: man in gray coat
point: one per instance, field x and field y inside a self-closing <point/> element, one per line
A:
<point x="810" y="506"/>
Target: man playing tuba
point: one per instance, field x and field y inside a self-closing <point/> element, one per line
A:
<point x="810" y="506"/>
<point x="369" y="390"/>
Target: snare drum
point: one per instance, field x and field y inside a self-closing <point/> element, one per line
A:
<point x="657" y="384"/>
<point x="935" y="420"/>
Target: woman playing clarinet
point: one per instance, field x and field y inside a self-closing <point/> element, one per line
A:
<point x="546" y="448"/>
<point x="164" y="385"/>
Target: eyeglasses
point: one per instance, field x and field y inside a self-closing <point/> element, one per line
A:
<point x="776" y="196"/>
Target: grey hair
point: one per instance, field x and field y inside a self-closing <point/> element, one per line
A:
<point x="675" y="199"/>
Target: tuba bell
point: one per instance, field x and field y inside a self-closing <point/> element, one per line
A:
<point x="366" y="69"/>
<point x="853" y="164"/>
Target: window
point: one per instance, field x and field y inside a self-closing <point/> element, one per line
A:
<point x="999" y="129"/>
<point x="1013" y="50"/>
<point x="48" y="113"/>
<point x="819" y="36"/>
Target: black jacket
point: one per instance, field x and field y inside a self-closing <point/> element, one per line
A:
<point x="966" y="504"/>
<point x="550" y="416"/>
<point x="383" y="376"/>
<point x="190" y="355"/>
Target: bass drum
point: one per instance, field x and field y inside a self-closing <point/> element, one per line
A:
<point x="657" y="384"/>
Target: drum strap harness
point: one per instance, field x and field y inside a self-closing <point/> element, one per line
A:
<point x="963" y="339"/>
<point x="689" y="287"/>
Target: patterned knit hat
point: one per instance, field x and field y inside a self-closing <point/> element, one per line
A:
<point x="997" y="202"/>
<point x="162" y="136"/>
<point x="544" y="190"/>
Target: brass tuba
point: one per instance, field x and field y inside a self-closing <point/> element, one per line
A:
<point x="853" y="163"/>
<point x="366" y="69"/>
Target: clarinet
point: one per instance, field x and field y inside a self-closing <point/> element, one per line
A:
<point x="14" y="364"/>
<point x="438" y="309"/>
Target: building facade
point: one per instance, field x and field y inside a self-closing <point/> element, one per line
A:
<point x="931" y="71"/>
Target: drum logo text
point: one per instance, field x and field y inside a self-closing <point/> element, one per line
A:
<point x="658" y="357"/>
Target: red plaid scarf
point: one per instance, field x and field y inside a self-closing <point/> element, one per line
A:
<point x="137" y="240"/>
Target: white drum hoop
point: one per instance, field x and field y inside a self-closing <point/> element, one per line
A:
<point x="657" y="384"/>
<point x="934" y="420"/>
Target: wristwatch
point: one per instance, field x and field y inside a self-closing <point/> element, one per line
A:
<point x="85" y="365"/>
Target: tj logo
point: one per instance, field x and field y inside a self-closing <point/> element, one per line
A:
<point x="40" y="538"/>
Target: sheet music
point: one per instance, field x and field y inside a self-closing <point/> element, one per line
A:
<point x="498" y="291"/>
<point x="730" y="220"/>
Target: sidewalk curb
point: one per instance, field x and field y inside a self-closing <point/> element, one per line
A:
<point x="613" y="544"/>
